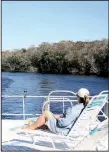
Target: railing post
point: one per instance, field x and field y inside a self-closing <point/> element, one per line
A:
<point x="48" y="104"/>
<point x="25" y="91"/>
<point x="63" y="104"/>
<point x="24" y="108"/>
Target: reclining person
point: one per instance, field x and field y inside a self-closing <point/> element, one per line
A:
<point x="62" y="124"/>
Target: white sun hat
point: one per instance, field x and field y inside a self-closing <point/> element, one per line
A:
<point x="82" y="92"/>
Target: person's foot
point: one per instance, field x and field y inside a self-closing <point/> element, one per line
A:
<point x="28" y="128"/>
<point x="29" y="122"/>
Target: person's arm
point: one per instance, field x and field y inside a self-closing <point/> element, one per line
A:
<point x="71" y="116"/>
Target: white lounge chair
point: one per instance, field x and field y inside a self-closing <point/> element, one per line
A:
<point x="86" y="122"/>
<point x="93" y="139"/>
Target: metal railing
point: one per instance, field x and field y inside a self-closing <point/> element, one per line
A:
<point x="48" y="99"/>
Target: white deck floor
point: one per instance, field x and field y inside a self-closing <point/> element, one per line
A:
<point x="7" y="125"/>
<point x="22" y="144"/>
<point x="26" y="143"/>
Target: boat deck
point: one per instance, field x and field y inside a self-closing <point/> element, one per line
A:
<point x="14" y="138"/>
<point x="10" y="142"/>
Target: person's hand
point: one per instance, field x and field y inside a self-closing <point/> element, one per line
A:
<point x="58" y="116"/>
<point x="61" y="115"/>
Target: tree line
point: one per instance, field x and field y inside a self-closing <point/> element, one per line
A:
<point x="64" y="57"/>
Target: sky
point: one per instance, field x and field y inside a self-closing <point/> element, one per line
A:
<point x="26" y="23"/>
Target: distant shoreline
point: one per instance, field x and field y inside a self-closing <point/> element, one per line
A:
<point x="64" y="57"/>
<point x="55" y="74"/>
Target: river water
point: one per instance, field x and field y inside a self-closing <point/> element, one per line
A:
<point x="42" y="84"/>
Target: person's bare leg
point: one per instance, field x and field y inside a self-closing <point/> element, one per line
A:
<point x="57" y="116"/>
<point x="42" y="120"/>
<point x="39" y="122"/>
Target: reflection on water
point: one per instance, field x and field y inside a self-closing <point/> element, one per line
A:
<point x="6" y="82"/>
<point x="43" y="84"/>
